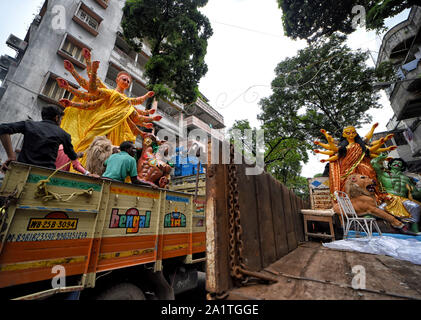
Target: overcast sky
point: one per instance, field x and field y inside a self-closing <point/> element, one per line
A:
<point x="246" y="46"/>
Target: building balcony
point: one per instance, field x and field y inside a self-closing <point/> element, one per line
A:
<point x="397" y="41"/>
<point x="210" y="114"/>
<point x="124" y="62"/>
<point x="146" y="49"/>
<point x="411" y="109"/>
<point x="172" y="119"/>
<point x="406" y="95"/>
<point x="110" y="83"/>
<point x="193" y="122"/>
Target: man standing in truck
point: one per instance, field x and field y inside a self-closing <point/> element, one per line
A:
<point x="41" y="139"/>
<point x="123" y="164"/>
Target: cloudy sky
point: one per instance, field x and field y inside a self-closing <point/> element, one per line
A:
<point x="246" y="46"/>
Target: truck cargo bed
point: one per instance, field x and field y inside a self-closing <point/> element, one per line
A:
<point x="313" y="272"/>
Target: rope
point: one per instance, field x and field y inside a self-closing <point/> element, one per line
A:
<point x="46" y="195"/>
<point x="2" y="213"/>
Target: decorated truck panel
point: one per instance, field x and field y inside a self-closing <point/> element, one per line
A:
<point x="89" y="225"/>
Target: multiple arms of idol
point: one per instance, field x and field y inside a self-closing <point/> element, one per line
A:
<point x="96" y="95"/>
<point x="374" y="147"/>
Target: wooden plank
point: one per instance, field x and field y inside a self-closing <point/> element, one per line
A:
<point x="289" y="222"/>
<point x="217" y="266"/>
<point x="312" y="272"/>
<point x="249" y="220"/>
<point x="294" y="214"/>
<point x="278" y="217"/>
<point x="264" y="212"/>
<point x="387" y="274"/>
<point x="299" y="219"/>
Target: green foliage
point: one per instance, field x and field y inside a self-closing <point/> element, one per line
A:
<point x="282" y="158"/>
<point x="326" y="86"/>
<point x="312" y="19"/>
<point x="288" y="173"/>
<point x="300" y="187"/>
<point x="178" y="34"/>
<point x="385" y="72"/>
<point x="242" y="141"/>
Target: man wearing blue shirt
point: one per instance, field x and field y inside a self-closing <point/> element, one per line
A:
<point x="123" y="164"/>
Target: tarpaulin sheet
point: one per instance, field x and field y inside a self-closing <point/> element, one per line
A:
<point x="402" y="249"/>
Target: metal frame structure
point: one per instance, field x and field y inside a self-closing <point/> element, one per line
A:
<point x="350" y="217"/>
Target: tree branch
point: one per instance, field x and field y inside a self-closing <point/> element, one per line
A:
<point x="280" y="158"/>
<point x="324" y="109"/>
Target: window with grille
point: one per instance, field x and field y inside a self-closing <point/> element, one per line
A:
<point x="73" y="50"/>
<point x="103" y="3"/>
<point x="82" y="15"/>
<point x="54" y="92"/>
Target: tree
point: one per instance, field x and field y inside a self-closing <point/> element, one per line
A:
<point x="313" y="19"/>
<point x="178" y="34"/>
<point x="242" y="141"/>
<point x="283" y="156"/>
<point x="325" y="86"/>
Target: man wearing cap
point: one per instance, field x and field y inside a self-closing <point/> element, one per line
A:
<point x="41" y="139"/>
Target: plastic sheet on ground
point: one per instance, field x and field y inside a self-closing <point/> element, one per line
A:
<point x="402" y="249"/>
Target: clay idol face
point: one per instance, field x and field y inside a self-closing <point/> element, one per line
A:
<point x="349" y="133"/>
<point x="397" y="164"/>
<point x="148" y="141"/>
<point x="124" y="81"/>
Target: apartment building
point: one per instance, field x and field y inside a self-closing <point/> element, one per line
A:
<point x="60" y="31"/>
<point x="401" y="45"/>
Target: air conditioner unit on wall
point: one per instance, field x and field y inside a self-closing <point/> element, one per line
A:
<point x="16" y="43"/>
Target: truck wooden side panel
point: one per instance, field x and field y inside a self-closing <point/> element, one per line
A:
<point x="118" y="225"/>
<point x="270" y="219"/>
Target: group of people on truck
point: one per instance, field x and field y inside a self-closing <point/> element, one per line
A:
<point x="98" y="112"/>
<point x="47" y="145"/>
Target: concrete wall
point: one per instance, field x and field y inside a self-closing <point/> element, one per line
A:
<point x="20" y="100"/>
<point x="398" y="93"/>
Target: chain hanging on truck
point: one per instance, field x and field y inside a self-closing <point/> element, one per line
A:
<point x="238" y="268"/>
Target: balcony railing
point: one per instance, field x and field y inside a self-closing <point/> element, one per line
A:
<point x="408" y="71"/>
<point x="196" y="122"/>
<point x="167" y="116"/>
<point x="403" y="30"/>
<point x="129" y="64"/>
<point x="208" y="109"/>
<point x="111" y="83"/>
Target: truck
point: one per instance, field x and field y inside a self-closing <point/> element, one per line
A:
<point x="77" y="237"/>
